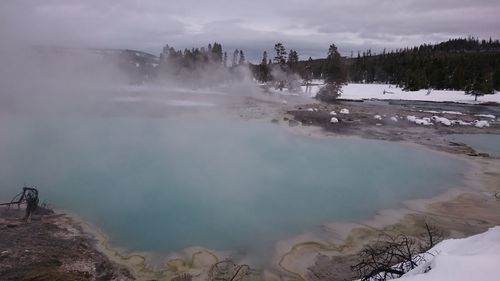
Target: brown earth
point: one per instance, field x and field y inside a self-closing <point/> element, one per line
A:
<point x="50" y="248"/>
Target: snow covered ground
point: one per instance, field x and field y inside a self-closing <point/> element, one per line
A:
<point x="474" y="258"/>
<point x="385" y="92"/>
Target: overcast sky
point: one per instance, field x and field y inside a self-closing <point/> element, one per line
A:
<point x="308" y="26"/>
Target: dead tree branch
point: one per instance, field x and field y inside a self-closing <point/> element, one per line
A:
<point x="28" y="196"/>
<point x="392" y="256"/>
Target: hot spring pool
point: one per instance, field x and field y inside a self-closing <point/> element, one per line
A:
<point x="486" y="143"/>
<point x="165" y="184"/>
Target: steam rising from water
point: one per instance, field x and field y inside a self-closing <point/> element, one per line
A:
<point x="72" y="125"/>
<point x="164" y="184"/>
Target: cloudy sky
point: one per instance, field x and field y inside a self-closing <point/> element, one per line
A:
<point x="308" y="26"/>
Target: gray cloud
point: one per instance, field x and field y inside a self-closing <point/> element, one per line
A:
<point x="308" y="26"/>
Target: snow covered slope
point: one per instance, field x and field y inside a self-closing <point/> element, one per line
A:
<point x="384" y="91"/>
<point x="475" y="258"/>
<point x="391" y="92"/>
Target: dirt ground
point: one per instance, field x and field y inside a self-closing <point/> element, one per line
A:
<point x="50" y="248"/>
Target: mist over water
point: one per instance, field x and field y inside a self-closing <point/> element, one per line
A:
<point x="160" y="167"/>
<point x="163" y="184"/>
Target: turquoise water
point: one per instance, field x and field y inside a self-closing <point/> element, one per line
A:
<point x="164" y="184"/>
<point x="486" y="143"/>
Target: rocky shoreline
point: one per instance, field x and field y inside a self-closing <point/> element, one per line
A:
<point x="387" y="121"/>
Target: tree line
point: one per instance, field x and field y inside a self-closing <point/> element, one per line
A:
<point x="467" y="64"/>
<point x="457" y="64"/>
<point x="190" y="64"/>
<point x="286" y="70"/>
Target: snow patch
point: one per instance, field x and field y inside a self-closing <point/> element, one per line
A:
<point x="481" y="123"/>
<point x="380" y="91"/>
<point x="424" y="121"/>
<point x="442" y="120"/>
<point x="333" y="113"/>
<point x="411" y="118"/>
<point x="442" y="112"/>
<point x="486" y="116"/>
<point x="452" y="112"/>
<point x="377" y="117"/>
<point x="334" y="120"/>
<point x="473" y="258"/>
<point x="344" y="111"/>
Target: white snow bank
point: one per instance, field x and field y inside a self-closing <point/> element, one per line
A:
<point x="452" y="112"/>
<point x="284" y="92"/>
<point x="474" y="258"/>
<point x="442" y="120"/>
<point x="378" y="117"/>
<point x="424" y="121"/>
<point x="334" y="120"/>
<point x="411" y="118"/>
<point x="443" y="112"/>
<point x="311" y="91"/>
<point x="344" y="111"/>
<point x="333" y="113"/>
<point x="486" y="116"/>
<point x="394" y="118"/>
<point x="481" y="123"/>
<point x="385" y="91"/>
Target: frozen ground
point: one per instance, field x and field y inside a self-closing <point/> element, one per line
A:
<point x="473" y="258"/>
<point x="391" y="92"/>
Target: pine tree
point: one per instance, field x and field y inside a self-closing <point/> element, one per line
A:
<point x="334" y="68"/>
<point x="225" y="59"/>
<point x="335" y="76"/>
<point x="164" y="54"/>
<point x="216" y="52"/>
<point x="293" y="60"/>
<point x="242" y="58"/>
<point x="280" y="57"/>
<point x="264" y="58"/>
<point x="235" y="57"/>
<point x="308" y="76"/>
<point x="480" y="85"/>
<point x="496" y="77"/>
<point x="441" y="66"/>
<point x="264" y="68"/>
